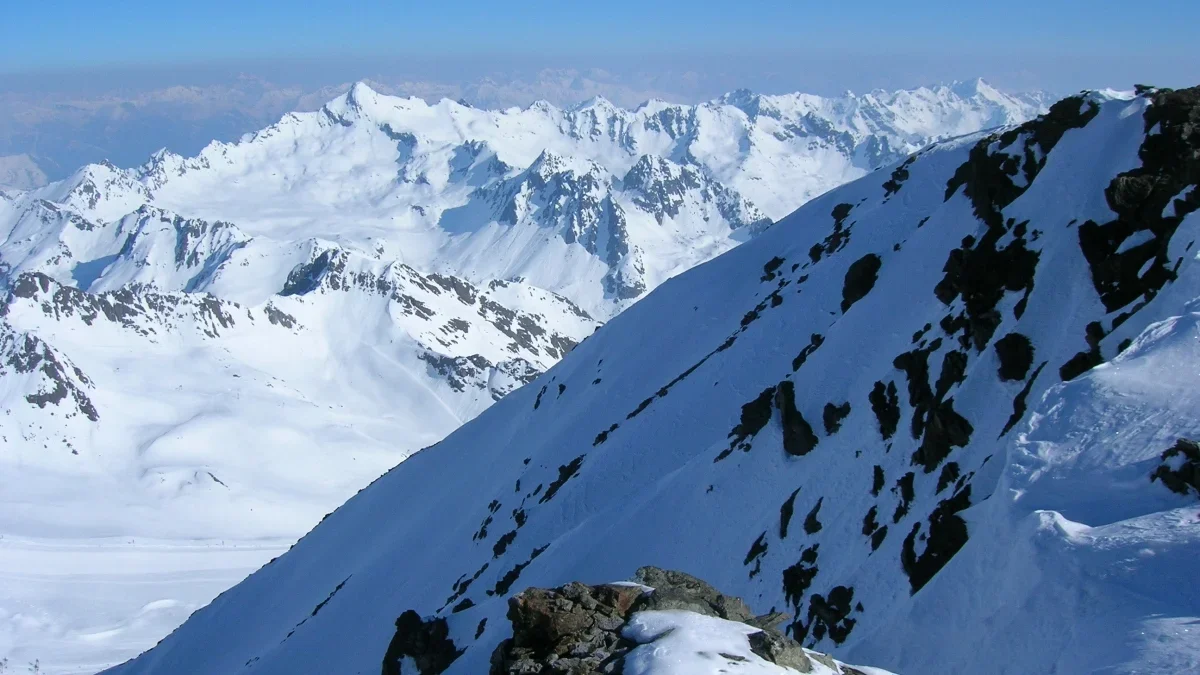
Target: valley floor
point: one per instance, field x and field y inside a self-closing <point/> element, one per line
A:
<point x="81" y="605"/>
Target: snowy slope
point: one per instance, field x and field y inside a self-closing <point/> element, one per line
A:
<point x="206" y="354"/>
<point x="157" y="431"/>
<point x="881" y="415"/>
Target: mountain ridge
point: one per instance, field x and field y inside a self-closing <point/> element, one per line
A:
<point x="264" y="328"/>
<point x="895" y="415"/>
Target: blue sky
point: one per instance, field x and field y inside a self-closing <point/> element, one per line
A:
<point x="1057" y="44"/>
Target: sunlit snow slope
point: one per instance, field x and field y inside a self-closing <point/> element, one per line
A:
<point x="202" y="356"/>
<point x="941" y="415"/>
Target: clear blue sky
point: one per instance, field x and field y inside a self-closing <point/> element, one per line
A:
<point x="1154" y="37"/>
<point x="50" y="34"/>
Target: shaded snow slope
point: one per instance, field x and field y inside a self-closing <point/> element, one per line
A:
<point x="883" y="415"/>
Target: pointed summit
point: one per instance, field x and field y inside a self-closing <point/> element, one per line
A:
<point x="744" y="100"/>
<point x="597" y="101"/>
<point x="360" y="94"/>
<point x="970" y="88"/>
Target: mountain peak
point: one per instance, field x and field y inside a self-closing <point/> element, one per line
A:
<point x="743" y="99"/>
<point x="359" y="93"/>
<point x="973" y="87"/>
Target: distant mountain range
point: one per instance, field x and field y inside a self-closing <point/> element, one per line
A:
<point x="54" y="133"/>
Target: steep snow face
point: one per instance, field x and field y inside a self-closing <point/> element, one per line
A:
<point x="921" y="415"/>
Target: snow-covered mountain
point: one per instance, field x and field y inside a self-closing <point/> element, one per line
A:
<point x="203" y="355"/>
<point x="596" y="203"/>
<point x="943" y="416"/>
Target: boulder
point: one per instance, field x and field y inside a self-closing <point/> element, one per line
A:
<point x="576" y="629"/>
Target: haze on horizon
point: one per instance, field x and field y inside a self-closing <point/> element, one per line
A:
<point x="144" y="75"/>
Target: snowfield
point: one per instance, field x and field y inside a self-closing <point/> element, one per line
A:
<point x="202" y="356"/>
<point x="940" y="416"/>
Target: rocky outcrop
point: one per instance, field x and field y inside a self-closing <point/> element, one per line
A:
<point x="578" y="629"/>
<point x="425" y="642"/>
<point x="1180" y="468"/>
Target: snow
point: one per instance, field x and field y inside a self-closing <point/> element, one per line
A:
<point x="1134" y="240"/>
<point x="686" y="643"/>
<point x="1169" y="211"/>
<point x="231" y="415"/>
<point x="1073" y="561"/>
<point x="73" y="604"/>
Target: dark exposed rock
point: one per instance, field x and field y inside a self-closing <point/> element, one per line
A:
<point x="572" y="629"/>
<point x="944" y="429"/>
<point x="877" y="537"/>
<point x="426" y="642"/>
<point x="829" y="615"/>
<point x="510" y="577"/>
<point x="677" y="590"/>
<point x="279" y="317"/>
<point x="947" y="534"/>
<point x="576" y="629"/>
<point x="1144" y="201"/>
<point x="811" y="524"/>
<point x="771" y="267"/>
<point x="59" y="381"/>
<point x="565" y="473"/>
<point x="815" y="341"/>
<point x="885" y="403"/>
<point x="833" y="415"/>
<point x="870" y="524"/>
<point x="1180" y="468"/>
<point x="1016" y="356"/>
<point x="1019" y="403"/>
<point x="773" y="646"/>
<point x="603" y="435"/>
<point x="904" y="487"/>
<point x="1085" y="360"/>
<point x="837" y="238"/>
<point x="899" y="175"/>
<point x="785" y="514"/>
<point x="950" y="473"/>
<point x="987" y="175"/>
<point x="798" y="436"/>
<point x="757" y="550"/>
<point x="860" y="279"/>
<point x="798" y="578"/>
<point x="754" y="417"/>
<point x="461" y="372"/>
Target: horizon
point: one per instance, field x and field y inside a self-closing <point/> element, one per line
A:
<point x="137" y="153"/>
<point x="143" y="76"/>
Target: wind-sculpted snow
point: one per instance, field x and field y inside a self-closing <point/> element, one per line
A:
<point x="860" y="418"/>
